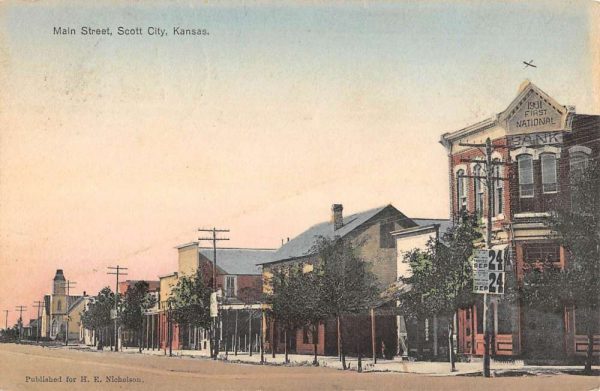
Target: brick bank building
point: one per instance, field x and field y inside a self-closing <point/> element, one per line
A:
<point x="546" y="143"/>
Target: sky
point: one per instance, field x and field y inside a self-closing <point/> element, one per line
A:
<point x="115" y="149"/>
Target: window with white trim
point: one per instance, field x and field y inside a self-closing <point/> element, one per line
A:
<point x="525" y="164"/>
<point x="478" y="190"/>
<point x="549" y="183"/>
<point x="230" y="286"/>
<point x="461" y="189"/>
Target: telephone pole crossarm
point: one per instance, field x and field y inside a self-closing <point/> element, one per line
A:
<point x="117" y="272"/>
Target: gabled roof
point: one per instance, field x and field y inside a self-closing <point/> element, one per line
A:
<point x="74" y="302"/>
<point x="526" y="89"/>
<point x="239" y="260"/>
<point x="301" y="245"/>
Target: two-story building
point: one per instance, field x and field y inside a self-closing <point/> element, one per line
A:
<point x="238" y="276"/>
<point x="538" y="144"/>
<point x="371" y="232"/>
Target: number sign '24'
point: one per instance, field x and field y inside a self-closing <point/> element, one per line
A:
<point x="488" y="269"/>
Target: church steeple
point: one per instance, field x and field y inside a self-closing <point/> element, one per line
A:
<point x="59" y="283"/>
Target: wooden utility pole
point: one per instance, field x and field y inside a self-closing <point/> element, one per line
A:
<point x="489" y="182"/>
<point x="68" y="285"/>
<point x="20" y="308"/>
<point x="373" y="339"/>
<point x="6" y="320"/>
<point x="38" y="334"/>
<point x="214" y="239"/>
<point x="117" y="271"/>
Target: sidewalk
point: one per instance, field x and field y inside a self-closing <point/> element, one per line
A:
<point x="416" y="367"/>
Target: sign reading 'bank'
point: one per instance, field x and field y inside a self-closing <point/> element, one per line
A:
<point x="533" y="139"/>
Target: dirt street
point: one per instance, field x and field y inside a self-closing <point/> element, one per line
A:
<point x="25" y="367"/>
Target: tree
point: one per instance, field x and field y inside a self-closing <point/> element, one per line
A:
<point x="97" y="316"/>
<point x="190" y="301"/>
<point x="341" y="283"/>
<point x="576" y="222"/>
<point x="289" y="312"/>
<point x="442" y="279"/>
<point x="137" y="300"/>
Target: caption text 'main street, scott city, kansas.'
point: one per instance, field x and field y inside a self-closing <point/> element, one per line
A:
<point x="122" y="31"/>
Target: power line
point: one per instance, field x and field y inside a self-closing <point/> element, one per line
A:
<point x="214" y="240"/>
<point x="39" y="305"/>
<point x="20" y="308"/>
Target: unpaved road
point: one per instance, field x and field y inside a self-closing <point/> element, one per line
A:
<point x="70" y="367"/>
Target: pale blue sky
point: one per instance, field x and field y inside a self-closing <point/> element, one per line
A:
<point x="118" y="148"/>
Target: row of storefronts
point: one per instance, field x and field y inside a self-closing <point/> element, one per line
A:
<point x="538" y="145"/>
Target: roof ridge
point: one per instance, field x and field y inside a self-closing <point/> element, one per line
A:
<point x="240" y="248"/>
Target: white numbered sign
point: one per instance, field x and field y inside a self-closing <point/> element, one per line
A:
<point x="496" y="283"/>
<point x="488" y="270"/>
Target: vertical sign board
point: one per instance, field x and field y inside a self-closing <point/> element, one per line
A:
<point x="488" y="270"/>
<point x="214" y="309"/>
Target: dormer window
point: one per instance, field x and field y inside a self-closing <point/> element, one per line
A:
<point x="525" y="164"/>
<point x="549" y="183"/>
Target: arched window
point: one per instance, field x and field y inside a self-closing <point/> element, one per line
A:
<point x="549" y="184"/>
<point x="461" y="189"/>
<point x="525" y="164"/>
<point x="498" y="190"/>
<point x="578" y="162"/>
<point x="478" y="190"/>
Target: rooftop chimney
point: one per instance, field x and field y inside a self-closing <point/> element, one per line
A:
<point x="336" y="216"/>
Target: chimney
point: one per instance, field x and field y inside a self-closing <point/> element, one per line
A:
<point x="336" y="216"/>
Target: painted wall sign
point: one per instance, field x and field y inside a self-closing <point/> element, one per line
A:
<point x="533" y="139"/>
<point x="535" y="113"/>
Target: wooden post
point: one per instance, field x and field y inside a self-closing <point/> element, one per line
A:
<point x="339" y="348"/>
<point x="373" y="347"/>
<point x="235" y="332"/>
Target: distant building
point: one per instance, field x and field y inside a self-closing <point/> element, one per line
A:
<point x="58" y="307"/>
<point x="237" y="275"/>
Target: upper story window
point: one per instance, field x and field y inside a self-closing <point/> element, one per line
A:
<point x="497" y="188"/>
<point x="578" y="162"/>
<point x="525" y="163"/>
<point x="461" y="189"/>
<point x="59" y="305"/>
<point x="478" y="190"/>
<point x="549" y="183"/>
<point x="230" y="286"/>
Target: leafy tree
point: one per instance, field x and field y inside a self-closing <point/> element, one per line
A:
<point x="286" y="308"/>
<point x="577" y="225"/>
<point x="190" y="301"/>
<point x="341" y="283"/>
<point x="137" y="300"/>
<point x="97" y="316"/>
<point x="442" y="279"/>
